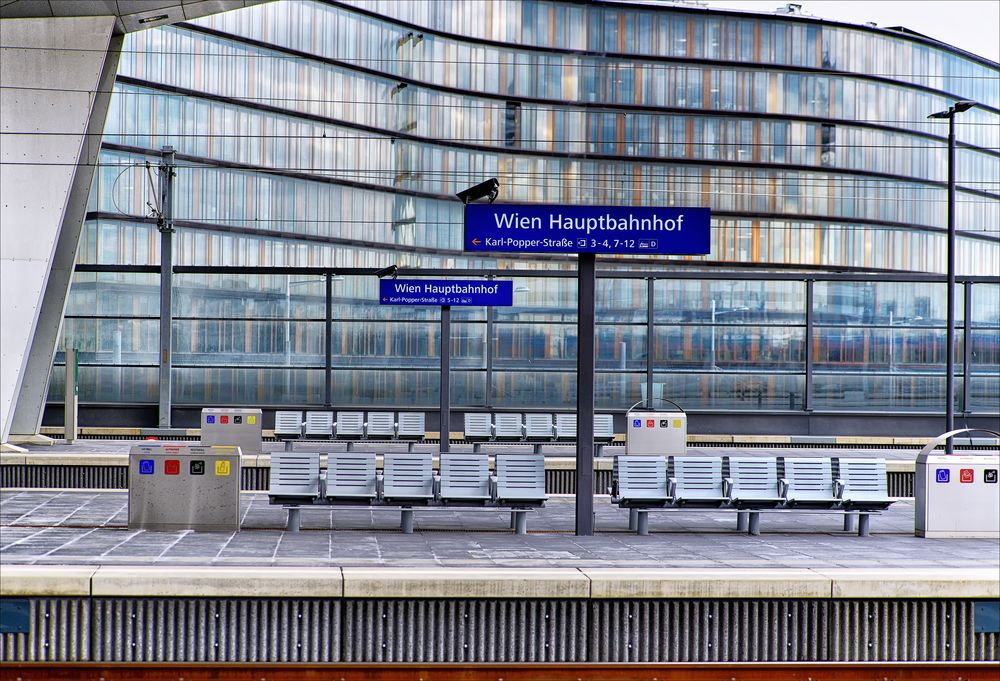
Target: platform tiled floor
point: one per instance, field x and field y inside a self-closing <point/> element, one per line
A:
<point x="90" y="527"/>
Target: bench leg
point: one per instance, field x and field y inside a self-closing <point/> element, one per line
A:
<point x="409" y="446"/>
<point x="289" y="446"/>
<point x="294" y="521"/>
<point x="520" y="522"/>
<point x="406" y="520"/>
<point x="633" y="514"/>
<point x="642" y="522"/>
<point x="350" y="445"/>
<point x="864" y="524"/>
<point x="477" y="447"/>
<point x="754" y="524"/>
<point x="849" y="522"/>
<point x="742" y="520"/>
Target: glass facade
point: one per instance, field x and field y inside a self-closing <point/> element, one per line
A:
<point x="335" y="134"/>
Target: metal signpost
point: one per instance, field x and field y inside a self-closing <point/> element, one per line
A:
<point x="445" y="292"/>
<point x="586" y="231"/>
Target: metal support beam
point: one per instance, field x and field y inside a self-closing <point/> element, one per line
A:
<point x="586" y="316"/>
<point x="490" y="319"/>
<point x="807" y="403"/>
<point x="165" y="224"/>
<point x="327" y="339"/>
<point x="966" y="348"/>
<point x="445" y="427"/>
<point x="649" y="342"/>
<point x="949" y="380"/>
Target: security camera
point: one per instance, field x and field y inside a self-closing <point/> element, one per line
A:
<point x="389" y="271"/>
<point x="489" y="189"/>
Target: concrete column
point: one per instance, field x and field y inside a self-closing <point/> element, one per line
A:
<point x="56" y="76"/>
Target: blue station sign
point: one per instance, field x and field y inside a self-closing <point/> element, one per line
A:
<point x="539" y="228"/>
<point x="445" y="292"/>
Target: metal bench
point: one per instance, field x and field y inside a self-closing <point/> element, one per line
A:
<point x="520" y="484"/>
<point x="508" y="427"/>
<point x="288" y="425"/>
<point x="565" y="426"/>
<point x="464" y="478"/>
<point x="294" y="479"/>
<point x="808" y="483"/>
<point x="478" y="428"/>
<point x="697" y="481"/>
<point x="350" y="425"/>
<point x="639" y="483"/>
<point x="407" y="479"/>
<point x="319" y="425"/>
<point x="752" y="484"/>
<point x="863" y="487"/>
<point x="381" y="425"/>
<point x="351" y="477"/>
<point x="411" y="426"/>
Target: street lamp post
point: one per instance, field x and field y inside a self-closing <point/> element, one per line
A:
<point x="949" y="409"/>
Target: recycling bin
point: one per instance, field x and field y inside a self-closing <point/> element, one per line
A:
<point x="957" y="495"/>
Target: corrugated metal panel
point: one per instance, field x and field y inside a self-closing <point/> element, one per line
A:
<point x="464" y="631"/>
<point x="563" y="481"/>
<point x="216" y="630"/>
<point x="707" y="631"/>
<point x="59" y="631"/>
<point x="85" y="477"/>
<point x="255" y="479"/>
<point x="900" y="484"/>
<point x="908" y="630"/>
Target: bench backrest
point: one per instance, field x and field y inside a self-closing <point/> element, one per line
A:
<point x="864" y="479"/>
<point x="521" y="477"/>
<point x="604" y="428"/>
<point x="809" y="479"/>
<point x="478" y="426"/>
<point x="351" y="475"/>
<point x="381" y="424"/>
<point x="565" y="426"/>
<point x="641" y="477"/>
<point x="287" y="425"/>
<point x="319" y="424"/>
<point x="508" y="426"/>
<point x="411" y="425"/>
<point x="407" y="475"/>
<point x="538" y="426"/>
<point x="350" y="424"/>
<point x="294" y="474"/>
<point x="698" y="477"/>
<point x="754" y="477"/>
<point x="465" y="476"/>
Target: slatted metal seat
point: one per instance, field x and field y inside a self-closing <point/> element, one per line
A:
<point x="863" y="487"/>
<point x="519" y="483"/>
<point x="697" y="481"/>
<point x="294" y="477"/>
<point x="464" y="478"/>
<point x="411" y="425"/>
<point x="565" y="426"/>
<point x="538" y="427"/>
<point x="604" y="428"/>
<point x="288" y="425"/>
<point x="407" y="479"/>
<point x="753" y="482"/>
<point x="381" y="425"/>
<point x="350" y="425"/>
<point x="808" y="482"/>
<point x="508" y="426"/>
<point x="478" y="426"/>
<point x="319" y="425"/>
<point x="351" y="477"/>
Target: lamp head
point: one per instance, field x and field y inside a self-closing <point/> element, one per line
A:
<point x="963" y="105"/>
<point x="489" y="189"/>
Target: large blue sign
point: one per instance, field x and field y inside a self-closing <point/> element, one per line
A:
<point x="445" y="292"/>
<point x="539" y="228"/>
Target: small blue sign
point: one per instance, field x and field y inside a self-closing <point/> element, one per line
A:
<point x="943" y="475"/>
<point x="446" y="292"/>
<point x="637" y="423"/>
<point x="146" y="467"/>
<point x="15" y="616"/>
<point x="209" y="419"/>
<point x="540" y="228"/>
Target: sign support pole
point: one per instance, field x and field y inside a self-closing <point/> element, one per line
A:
<point x="585" y="332"/>
<point x="165" y="223"/>
<point x="445" y="378"/>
